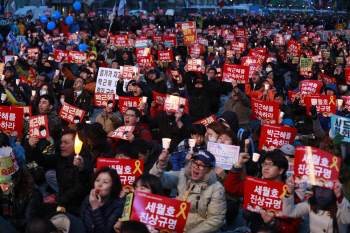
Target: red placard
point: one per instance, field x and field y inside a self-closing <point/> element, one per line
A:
<point x="347" y="101"/>
<point x="144" y="16"/>
<point x="103" y="32"/>
<point x="130" y="72"/>
<point x="202" y="41"/>
<point x="170" y="39"/>
<point x="71" y="113"/>
<point x="11" y="120"/>
<point x="327" y="79"/>
<point x="159" y="98"/>
<point x="57" y="39"/>
<point x="55" y="32"/>
<point x="105" y="100"/>
<point x="121" y="132"/>
<point x="253" y="68"/>
<point x="77" y="57"/>
<point x="310" y="86"/>
<point x="195" y="50"/>
<point x="32" y="52"/>
<point x="260" y="55"/>
<point x="280" y="41"/>
<point x="241" y="32"/>
<point x="38" y="127"/>
<point x="166" y="55"/>
<point x="317" y="58"/>
<point x="206" y="121"/>
<point x="325" y="104"/>
<point x="347" y="60"/>
<point x="189" y="32"/>
<point x="247" y="60"/>
<point x="25" y="109"/>
<point x="145" y="62"/>
<point x="266" y="110"/>
<point x="237" y="46"/>
<point x="347" y="75"/>
<point x="164" y="213"/>
<point x="72" y="37"/>
<point x="126" y="102"/>
<point x="230" y="37"/>
<point x="275" y="136"/>
<point x="118" y="40"/>
<point x="230" y="53"/>
<point x="24" y="80"/>
<point x="293" y="47"/>
<point x="71" y="14"/>
<point x="8" y="15"/>
<point x="237" y="72"/>
<point x="160" y="11"/>
<point x="316" y="167"/>
<point x="195" y="65"/>
<point x="261" y="194"/>
<point x="172" y="103"/>
<point x="292" y="97"/>
<point x="176" y="75"/>
<point x="61" y="54"/>
<point x="128" y="170"/>
<point x="47" y="13"/>
<point x="157" y="38"/>
<point x="143" y="52"/>
<point x="92" y="13"/>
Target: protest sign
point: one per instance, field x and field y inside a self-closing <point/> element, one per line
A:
<point x="107" y="80"/>
<point x="347" y="101"/>
<point x="141" y="43"/>
<point x="195" y="50"/>
<point x="253" y="68"/>
<point x="143" y="52"/>
<point x="77" y="57"/>
<point x="61" y="55"/>
<point x="195" y="65"/>
<point x="11" y="120"/>
<point x="27" y="111"/>
<point x="121" y="132"/>
<point x="146" y="62"/>
<point x="159" y="98"/>
<point x="235" y="72"/>
<point x="105" y="100"/>
<point x="130" y="72"/>
<point x="266" y="110"/>
<point x="47" y="38"/>
<point x="92" y="13"/>
<point x="206" y="121"/>
<point x="126" y="102"/>
<point x="260" y="55"/>
<point x="128" y="170"/>
<point x="186" y="33"/>
<point x="176" y="75"/>
<point x="310" y="86"/>
<point x="347" y="75"/>
<point x="157" y="38"/>
<point x="24" y="80"/>
<point x="294" y="48"/>
<point x="327" y="79"/>
<point x="246" y="61"/>
<point x="166" y="214"/>
<point x="166" y="56"/>
<point x="72" y="37"/>
<point x="261" y="194"/>
<point x="172" y="103"/>
<point x="38" y="127"/>
<point x="324" y="104"/>
<point x="292" y="97"/>
<point x="8" y="15"/>
<point x="317" y="58"/>
<point x="225" y="155"/>
<point x="71" y="114"/>
<point x="237" y="47"/>
<point x="32" y="52"/>
<point x="341" y="125"/>
<point x="169" y="41"/>
<point x="118" y="40"/>
<point x="275" y="136"/>
<point x="306" y="67"/>
<point x="315" y="167"/>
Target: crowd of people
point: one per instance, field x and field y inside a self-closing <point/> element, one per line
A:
<point x="88" y="199"/>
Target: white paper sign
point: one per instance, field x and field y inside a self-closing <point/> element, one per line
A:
<point x="107" y="80"/>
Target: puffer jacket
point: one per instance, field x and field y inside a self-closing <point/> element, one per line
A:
<point x="240" y="107"/>
<point x="207" y="198"/>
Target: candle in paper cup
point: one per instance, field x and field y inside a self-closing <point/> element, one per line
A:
<point x="3" y="97"/>
<point x="57" y="72"/>
<point x="281" y="114"/>
<point x="192" y="142"/>
<point x="256" y="157"/>
<point x="88" y="122"/>
<point x="77" y="145"/>
<point x="17" y="81"/>
<point x="144" y="99"/>
<point x="339" y="103"/>
<point x="2" y="77"/>
<point x="43" y="92"/>
<point x="314" y="102"/>
<point x="166" y="143"/>
<point x="33" y="92"/>
<point x="267" y="86"/>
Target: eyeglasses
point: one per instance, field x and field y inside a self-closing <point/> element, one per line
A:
<point x="268" y="165"/>
<point x="41" y="80"/>
<point x="78" y="81"/>
<point x="198" y="166"/>
<point x="128" y="115"/>
<point x="44" y="58"/>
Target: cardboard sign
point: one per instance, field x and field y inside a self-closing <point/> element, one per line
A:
<point x="176" y="75"/>
<point x="107" y="80"/>
<point x="126" y="102"/>
<point x="146" y="62"/>
<point x="316" y="167"/>
<point x="266" y="110"/>
<point x="261" y="194"/>
<point x="235" y="72"/>
<point x="71" y="114"/>
<point x="327" y="79"/>
<point x="77" y="57"/>
<point x="8" y="15"/>
<point x="238" y="47"/>
<point x="159" y="98"/>
<point x="206" y="121"/>
<point x="141" y="43"/>
<point x="275" y="136"/>
<point x="294" y="48"/>
<point x="305" y="67"/>
<point x="164" y="213"/>
<point x="130" y="71"/>
<point x="143" y="52"/>
<point x="172" y="103"/>
<point x="195" y="65"/>
<point x="118" y="40"/>
<point x="341" y="125"/>
<point x="324" y="104"/>
<point x="38" y="127"/>
<point x="310" y="86"/>
<point x="11" y="120"/>
<point x="347" y="75"/>
<point x="128" y="170"/>
<point x="225" y="155"/>
<point x="33" y="52"/>
<point x="121" y="132"/>
<point x="104" y="100"/>
<point x="166" y="56"/>
<point x="61" y="55"/>
<point x="187" y="34"/>
<point x="262" y="56"/>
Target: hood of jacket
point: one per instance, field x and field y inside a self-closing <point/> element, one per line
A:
<point x="332" y="87"/>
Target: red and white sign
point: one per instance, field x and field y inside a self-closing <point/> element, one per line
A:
<point x="103" y="32"/>
<point x="130" y="72"/>
<point x="196" y="50"/>
<point x="25" y="109"/>
<point x="61" y="55"/>
<point x="280" y="41"/>
<point x="310" y="86"/>
<point x="317" y="58"/>
<point x="206" y="121"/>
<point x="11" y="120"/>
<point x="128" y="170"/>
<point x="229" y="37"/>
<point x="253" y="68"/>
<point x="176" y="75"/>
<point x="292" y="97"/>
<point x="315" y="167"/>
<point x="166" y="56"/>
<point x="71" y="113"/>
<point x="275" y="136"/>
<point x="8" y="15"/>
<point x="347" y="101"/>
<point x="170" y="39"/>
<point x="241" y="33"/>
<point x="294" y="48"/>
<point x="172" y="103"/>
<point x="347" y="75"/>
<point x="238" y="47"/>
<point x="118" y="40"/>
<point x="347" y="60"/>
<point x="105" y="100"/>
<point x="324" y="103"/>
<point x="159" y="98"/>
<point x="247" y="60"/>
<point x="260" y="55"/>
<point x="141" y="43"/>
<point x="143" y="52"/>
<point x="145" y="62"/>
<point x="237" y="72"/>
<point x="77" y="57"/>
<point x="38" y="127"/>
<point x="47" y="38"/>
<point x="160" y="11"/>
<point x="195" y="65"/>
<point x="189" y="32"/>
<point x="261" y="194"/>
<point x="157" y="38"/>
<point x="126" y="102"/>
<point x="72" y="37"/>
<point x="266" y="110"/>
<point x="33" y="52"/>
<point x="47" y="13"/>
<point x="24" y="80"/>
<point x="121" y="132"/>
<point x="92" y="13"/>
<point x="327" y="79"/>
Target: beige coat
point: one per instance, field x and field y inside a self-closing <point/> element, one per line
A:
<point x="240" y="107"/>
<point x="110" y="124"/>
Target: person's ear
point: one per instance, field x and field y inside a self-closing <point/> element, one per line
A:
<point x="281" y="170"/>
<point x="137" y="119"/>
<point x="50" y="106"/>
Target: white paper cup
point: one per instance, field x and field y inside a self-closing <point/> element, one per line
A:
<point x="2" y="77"/>
<point x="192" y="142"/>
<point x="267" y="86"/>
<point x="88" y="122"/>
<point x="3" y="97"/>
<point x="256" y="157"/>
<point x="314" y="102"/>
<point x="281" y="114"/>
<point x="57" y="72"/>
<point x="166" y="143"/>
<point x="33" y="93"/>
<point x="339" y="102"/>
<point x="17" y="81"/>
<point x="144" y="99"/>
<point x="181" y="110"/>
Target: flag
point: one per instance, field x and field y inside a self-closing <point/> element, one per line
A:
<point x="335" y="5"/>
<point x="221" y="3"/>
<point x="10" y="38"/>
<point x="89" y="2"/>
<point x="330" y="3"/>
<point x="13" y="4"/>
<point x="122" y="3"/>
<point x="25" y="43"/>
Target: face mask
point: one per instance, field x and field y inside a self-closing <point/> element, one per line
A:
<point x="92" y="57"/>
<point x="344" y="88"/>
<point x="268" y="70"/>
<point x="42" y="92"/>
<point x="110" y="105"/>
<point x="43" y="133"/>
<point x="26" y="118"/>
<point x="62" y="101"/>
<point x="76" y="121"/>
<point x="47" y="69"/>
<point x="212" y="139"/>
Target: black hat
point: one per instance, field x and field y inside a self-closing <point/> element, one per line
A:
<point x="96" y="133"/>
<point x="8" y="68"/>
<point x="85" y="70"/>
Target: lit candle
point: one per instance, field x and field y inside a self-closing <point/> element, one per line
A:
<point x="77" y="145"/>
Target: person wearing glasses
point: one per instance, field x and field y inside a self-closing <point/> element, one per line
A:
<point x="196" y="184"/>
<point x="273" y="167"/>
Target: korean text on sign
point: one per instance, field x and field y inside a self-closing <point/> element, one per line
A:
<point x="225" y="155"/>
<point x="71" y="114"/>
<point x="206" y="121"/>
<point x="107" y="80"/>
<point x="275" y="136"/>
<point x="11" y="120"/>
<point x="266" y="110"/>
<point x="38" y="127"/>
<point x="325" y="104"/>
<point x="104" y="100"/>
<point x="172" y="103"/>
<point x="341" y="125"/>
<point x="126" y="102"/>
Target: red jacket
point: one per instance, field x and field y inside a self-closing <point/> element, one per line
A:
<point x="235" y="186"/>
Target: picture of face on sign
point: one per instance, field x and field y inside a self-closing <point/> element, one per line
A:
<point x="42" y="131"/>
<point x="26" y="117"/>
<point x="76" y="120"/>
<point x="110" y="103"/>
<point x="179" y="35"/>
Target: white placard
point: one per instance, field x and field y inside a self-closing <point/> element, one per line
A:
<point x="107" y="80"/>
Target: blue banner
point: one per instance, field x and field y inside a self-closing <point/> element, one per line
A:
<point x="341" y="125"/>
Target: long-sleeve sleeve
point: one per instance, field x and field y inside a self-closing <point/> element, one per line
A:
<point x="13" y="98"/>
<point x="169" y="179"/>
<point x="294" y="211"/>
<point x="233" y="184"/>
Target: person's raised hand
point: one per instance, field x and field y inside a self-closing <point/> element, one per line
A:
<point x="243" y="158"/>
<point x="290" y="184"/>
<point x="79" y="162"/>
<point x="337" y="188"/>
<point x="266" y="217"/>
<point x="33" y="141"/>
<point x="163" y="158"/>
<point x="185" y="68"/>
<point x="189" y="155"/>
<point x="297" y="96"/>
<point x="153" y="104"/>
<point x="220" y="172"/>
<point x="118" y="225"/>
<point x="129" y="136"/>
<point x="94" y="199"/>
<point x="144" y="107"/>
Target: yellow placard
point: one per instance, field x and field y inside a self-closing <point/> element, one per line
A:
<point x="127" y="207"/>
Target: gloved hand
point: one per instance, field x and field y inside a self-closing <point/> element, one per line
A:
<point x="337" y="141"/>
<point x="313" y="110"/>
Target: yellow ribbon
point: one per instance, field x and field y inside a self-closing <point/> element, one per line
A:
<point x="137" y="165"/>
<point x="140" y="101"/>
<point x="285" y="187"/>
<point x="332" y="100"/>
<point x="183" y="207"/>
<point x="334" y="164"/>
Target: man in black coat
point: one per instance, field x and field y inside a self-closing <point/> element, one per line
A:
<point x="73" y="181"/>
